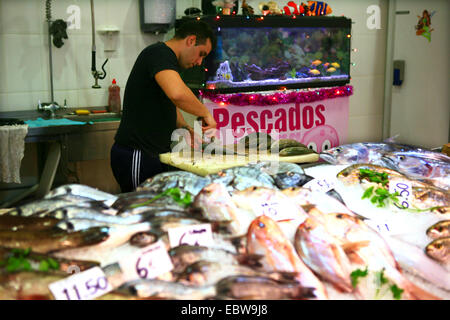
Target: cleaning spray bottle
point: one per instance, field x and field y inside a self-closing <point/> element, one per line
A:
<point x="114" y="104"/>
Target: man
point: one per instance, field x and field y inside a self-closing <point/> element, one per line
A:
<point x="154" y="95"/>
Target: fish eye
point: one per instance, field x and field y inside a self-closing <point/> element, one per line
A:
<point x="338" y="149"/>
<point x="261" y="225"/>
<point x="326" y="145"/>
<point x="290" y="173"/>
<point x="438" y="246"/>
<point x="402" y="158"/>
<point x="312" y="146"/>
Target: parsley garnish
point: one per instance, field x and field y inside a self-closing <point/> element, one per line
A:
<point x="358" y="273"/>
<point x="396" y="291"/>
<point x="19" y="261"/>
<point x="176" y="195"/>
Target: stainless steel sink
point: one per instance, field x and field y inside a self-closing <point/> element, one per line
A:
<point x="94" y="117"/>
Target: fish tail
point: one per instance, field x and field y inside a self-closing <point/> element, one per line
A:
<point x="417" y="293"/>
<point x="303" y="293"/>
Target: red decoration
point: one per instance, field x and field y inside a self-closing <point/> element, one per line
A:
<point x="258" y="99"/>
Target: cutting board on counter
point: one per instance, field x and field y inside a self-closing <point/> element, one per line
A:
<point x="208" y="164"/>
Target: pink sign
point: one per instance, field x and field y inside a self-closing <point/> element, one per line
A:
<point x="319" y="125"/>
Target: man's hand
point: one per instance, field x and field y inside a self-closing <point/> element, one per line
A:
<point x="208" y="122"/>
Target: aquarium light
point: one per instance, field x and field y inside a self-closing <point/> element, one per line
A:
<point x="294" y="17"/>
<point x="217" y="17"/>
<point x="349" y="36"/>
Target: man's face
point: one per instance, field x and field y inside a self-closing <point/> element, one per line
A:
<point x="193" y="55"/>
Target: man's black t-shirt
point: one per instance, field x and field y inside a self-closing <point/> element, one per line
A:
<point x="149" y="117"/>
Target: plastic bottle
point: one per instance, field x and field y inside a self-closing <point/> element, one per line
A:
<point x="114" y="104"/>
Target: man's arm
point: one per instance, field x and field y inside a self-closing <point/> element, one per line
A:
<point x="182" y="97"/>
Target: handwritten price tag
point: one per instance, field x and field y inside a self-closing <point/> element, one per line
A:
<point x="404" y="188"/>
<point x="386" y="227"/>
<point x="149" y="263"/>
<point x="275" y="210"/>
<point x="196" y="235"/>
<point x="87" y="285"/>
<point x="320" y="185"/>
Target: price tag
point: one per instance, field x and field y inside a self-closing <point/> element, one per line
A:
<point x="321" y="185"/>
<point x="276" y="210"/>
<point x="87" y="285"/>
<point x="404" y="188"/>
<point x="386" y="227"/>
<point x="196" y="235"/>
<point x="148" y="263"/>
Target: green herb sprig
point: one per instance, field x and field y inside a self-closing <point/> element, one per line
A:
<point x="176" y="195"/>
<point x="20" y="261"/>
<point x="373" y="176"/>
<point x="358" y="273"/>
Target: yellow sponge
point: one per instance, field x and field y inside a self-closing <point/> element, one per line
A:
<point x="82" y="112"/>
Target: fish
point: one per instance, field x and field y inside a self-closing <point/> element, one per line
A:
<point x="362" y="152"/>
<point x="70" y="212"/>
<point x="367" y="249"/>
<point x="46" y="205"/>
<point x="281" y="144"/>
<point x="440" y="229"/>
<point x="439" y="250"/>
<point x="184" y="180"/>
<point x="295" y="151"/>
<point x="28" y="285"/>
<point x="185" y="255"/>
<point x="134" y="202"/>
<point x="326" y="64"/>
<point x="323" y="254"/>
<point x="316" y="62"/>
<point x="162" y="289"/>
<point x="424" y="196"/>
<point x="291" y="179"/>
<point x="15" y="223"/>
<point x="82" y="191"/>
<point x="255" y="140"/>
<point x="242" y="177"/>
<point x="267" y="239"/>
<point x="46" y="241"/>
<point x="331" y="70"/>
<point x="314" y="72"/>
<point x="216" y="204"/>
<point x="429" y="166"/>
<point x="117" y="236"/>
<point x="203" y="273"/>
<point x="336" y="65"/>
<point x="246" y="287"/>
<point x="322" y="201"/>
<point x="319" y="8"/>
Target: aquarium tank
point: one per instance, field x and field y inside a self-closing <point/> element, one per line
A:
<point x="259" y="53"/>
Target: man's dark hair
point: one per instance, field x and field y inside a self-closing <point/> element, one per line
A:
<point x="200" y="29"/>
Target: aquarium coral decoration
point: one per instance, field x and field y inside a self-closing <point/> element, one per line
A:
<point x="224" y="5"/>
<point x="275" y="71"/>
<point x="246" y="9"/>
<point x="283" y="97"/>
<point x="423" y="26"/>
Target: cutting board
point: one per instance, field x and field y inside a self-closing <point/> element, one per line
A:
<point x="203" y="165"/>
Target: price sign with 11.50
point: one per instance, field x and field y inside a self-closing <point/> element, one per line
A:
<point x="87" y="285"/>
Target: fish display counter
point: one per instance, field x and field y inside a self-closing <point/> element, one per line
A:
<point x="359" y="225"/>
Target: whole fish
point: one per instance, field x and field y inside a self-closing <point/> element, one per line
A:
<point x="132" y="202"/>
<point x="162" y="289"/>
<point x="45" y="241"/>
<point x="267" y="239"/>
<point x="440" y="229"/>
<point x="323" y="253"/>
<point x="322" y="201"/>
<point x="216" y="204"/>
<point x="362" y="152"/>
<point x="429" y="166"/>
<point x="46" y="205"/>
<point x="368" y="249"/>
<point x="185" y="255"/>
<point x="275" y="167"/>
<point x="204" y="272"/>
<point x="255" y="287"/>
<point x="14" y="223"/>
<point x="82" y="191"/>
<point x="117" y="236"/>
<point x="185" y="181"/>
<point x="240" y="178"/>
<point x="35" y="260"/>
<point x="78" y="212"/>
<point x="424" y="196"/>
<point x="439" y="250"/>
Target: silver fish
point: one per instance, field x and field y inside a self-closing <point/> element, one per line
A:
<point x="185" y="181"/>
<point x="82" y="191"/>
<point x="162" y="289"/>
<point x="243" y="177"/>
<point x="362" y="152"/>
<point x="255" y="287"/>
<point x="432" y="167"/>
<point x="440" y="229"/>
<point x="439" y="250"/>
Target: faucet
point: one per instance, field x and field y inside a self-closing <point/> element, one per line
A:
<point x="50" y="107"/>
<point x="97" y="74"/>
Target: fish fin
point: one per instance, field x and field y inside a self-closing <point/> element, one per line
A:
<point x="252" y="260"/>
<point x="355" y="258"/>
<point x="308" y="207"/>
<point x="353" y="246"/>
<point x="284" y="276"/>
<point x="419" y="293"/>
<point x="304" y="293"/>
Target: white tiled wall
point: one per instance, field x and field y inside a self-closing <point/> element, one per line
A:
<point x="24" y="63"/>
